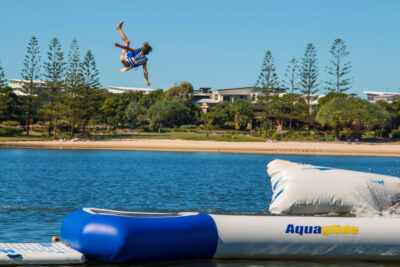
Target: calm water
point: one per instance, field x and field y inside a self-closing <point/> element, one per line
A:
<point x="40" y="187"/>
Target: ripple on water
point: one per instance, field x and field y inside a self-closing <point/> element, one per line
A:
<point x="40" y="187"/>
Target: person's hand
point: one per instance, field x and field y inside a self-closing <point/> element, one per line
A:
<point x="116" y="44"/>
<point x="122" y="70"/>
<point x="147" y="83"/>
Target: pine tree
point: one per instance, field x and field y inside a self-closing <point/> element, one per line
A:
<point x="340" y="68"/>
<point x="30" y="73"/>
<point x="73" y="84"/>
<point x="54" y="75"/>
<point x="74" y="74"/>
<point x="267" y="82"/>
<point x="90" y="84"/>
<point x="3" y="80"/>
<point x="291" y="83"/>
<point x="309" y="78"/>
<point x="9" y="102"/>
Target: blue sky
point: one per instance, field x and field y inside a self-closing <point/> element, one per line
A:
<point x="218" y="44"/>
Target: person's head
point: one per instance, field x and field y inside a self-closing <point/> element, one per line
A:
<point x="146" y="48"/>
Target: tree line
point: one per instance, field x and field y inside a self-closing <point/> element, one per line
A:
<point x="71" y="100"/>
<point x="66" y="98"/>
<point x="337" y="111"/>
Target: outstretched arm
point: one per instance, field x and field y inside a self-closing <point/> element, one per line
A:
<point x="146" y="74"/>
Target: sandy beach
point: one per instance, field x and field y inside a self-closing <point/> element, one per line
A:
<point x="294" y="148"/>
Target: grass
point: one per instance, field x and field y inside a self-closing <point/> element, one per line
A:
<point x="196" y="136"/>
<point x="151" y="135"/>
<point x="216" y="137"/>
<point x="23" y="138"/>
<point x="180" y="135"/>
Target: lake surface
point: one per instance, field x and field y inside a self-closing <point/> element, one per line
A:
<point x="40" y="187"/>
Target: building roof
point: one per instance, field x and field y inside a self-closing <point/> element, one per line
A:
<point x="121" y="89"/>
<point x="380" y="93"/>
<point x="26" y="81"/>
<point x="20" y="93"/>
<point x="237" y="88"/>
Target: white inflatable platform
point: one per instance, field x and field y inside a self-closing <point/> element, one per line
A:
<point x="294" y="237"/>
<point x="302" y="189"/>
<point x="124" y="237"/>
<point x="38" y="254"/>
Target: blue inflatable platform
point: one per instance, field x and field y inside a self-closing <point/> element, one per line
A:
<point x="118" y="237"/>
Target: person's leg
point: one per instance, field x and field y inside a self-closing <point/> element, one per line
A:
<point x="123" y="36"/>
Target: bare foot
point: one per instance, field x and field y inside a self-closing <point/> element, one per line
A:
<point x="119" y="26"/>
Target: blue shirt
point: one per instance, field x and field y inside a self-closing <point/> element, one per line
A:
<point x="135" y="59"/>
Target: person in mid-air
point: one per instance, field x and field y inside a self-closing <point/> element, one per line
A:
<point x="133" y="57"/>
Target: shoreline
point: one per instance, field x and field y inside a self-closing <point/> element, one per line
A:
<point x="177" y="145"/>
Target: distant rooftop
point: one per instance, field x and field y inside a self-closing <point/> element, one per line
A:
<point x="18" y="85"/>
<point x="122" y="89"/>
<point x="373" y="96"/>
<point x="236" y="88"/>
<point x="380" y="93"/>
<point x="25" y="81"/>
<point x="275" y="90"/>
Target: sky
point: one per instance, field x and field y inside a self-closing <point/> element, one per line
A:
<point x="210" y="43"/>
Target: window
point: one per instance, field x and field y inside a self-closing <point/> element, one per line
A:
<point x="227" y="98"/>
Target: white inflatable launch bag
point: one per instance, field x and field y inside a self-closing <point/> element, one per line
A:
<point x="300" y="189"/>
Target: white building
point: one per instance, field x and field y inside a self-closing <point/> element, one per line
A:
<point x="121" y="89"/>
<point x="250" y="93"/>
<point x="232" y="94"/>
<point x="18" y="85"/>
<point x="201" y="94"/>
<point x="375" y="96"/>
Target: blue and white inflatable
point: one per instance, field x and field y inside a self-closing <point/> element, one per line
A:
<point x="121" y="237"/>
<point x="303" y="189"/>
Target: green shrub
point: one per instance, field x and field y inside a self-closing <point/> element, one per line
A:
<point x="11" y="123"/>
<point x="278" y="136"/>
<point x="107" y="131"/>
<point x="330" y="137"/>
<point x="395" y="133"/>
<point x="344" y="135"/>
<point x="231" y="133"/>
<point x="255" y="133"/>
<point x="143" y="129"/>
<point x="64" y="135"/>
<point x="10" y="131"/>
<point x="368" y="134"/>
<point x="271" y="132"/>
<point x="229" y="125"/>
<point x="310" y="138"/>
<point x="293" y="136"/>
<point x="381" y="133"/>
<point x="39" y="129"/>
<point x="188" y="127"/>
<point x="63" y="125"/>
